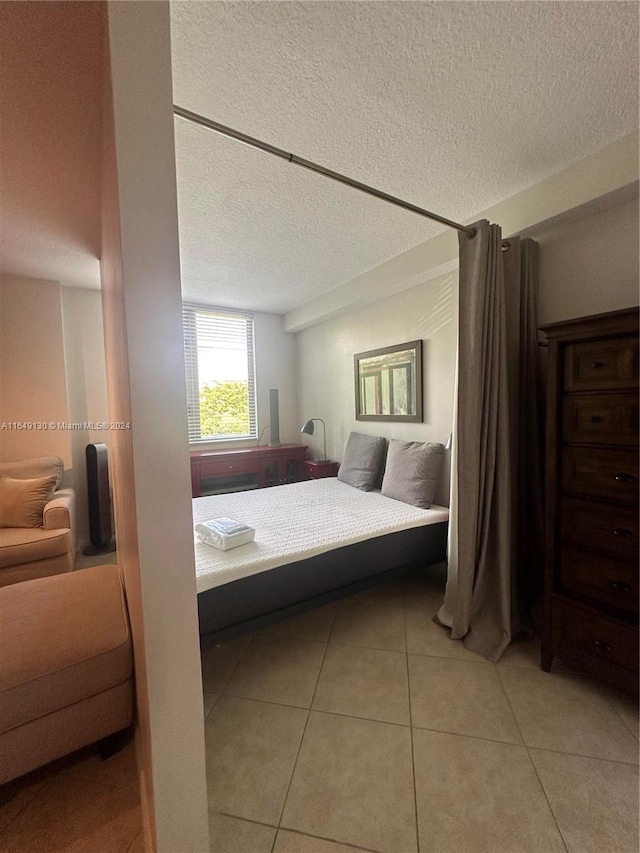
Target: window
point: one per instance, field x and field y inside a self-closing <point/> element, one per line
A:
<point x="221" y="387"/>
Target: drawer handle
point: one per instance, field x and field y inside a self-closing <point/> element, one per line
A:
<point x="596" y="419"/>
<point x="602" y="645"/>
<point x="624" y="478"/>
<point x="622" y="531"/>
<point x="620" y="586"/>
<point x="596" y="365"/>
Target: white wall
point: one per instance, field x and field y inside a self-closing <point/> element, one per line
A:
<point x="325" y="353"/>
<point x="86" y="386"/>
<point x="32" y="369"/>
<point x="52" y="369"/>
<point x="275" y="368"/>
<point x="589" y="265"/>
<point x="140" y="265"/>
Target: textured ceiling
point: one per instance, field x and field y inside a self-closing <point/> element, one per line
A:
<point x="50" y="140"/>
<point x="453" y="106"/>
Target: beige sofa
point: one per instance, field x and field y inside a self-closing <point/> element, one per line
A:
<point x="33" y="552"/>
<point x="66" y="666"/>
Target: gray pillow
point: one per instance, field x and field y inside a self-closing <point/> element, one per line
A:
<point x="412" y="472"/>
<point x="362" y="461"/>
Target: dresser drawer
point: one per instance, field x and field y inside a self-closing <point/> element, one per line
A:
<point x="599" y="365"/>
<point x="601" y="419"/>
<point x="601" y="527"/>
<point x="222" y="467"/>
<point x="595" y="635"/>
<point x="612" y="582"/>
<point x="601" y="473"/>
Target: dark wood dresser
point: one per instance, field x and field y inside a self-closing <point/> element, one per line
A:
<point x="219" y="471"/>
<point x="591" y="574"/>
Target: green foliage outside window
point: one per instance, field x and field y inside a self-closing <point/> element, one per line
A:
<point x="224" y="409"/>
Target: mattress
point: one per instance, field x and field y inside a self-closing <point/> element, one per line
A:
<point x="296" y="522"/>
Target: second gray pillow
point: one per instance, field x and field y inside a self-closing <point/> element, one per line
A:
<point x="412" y="472"/>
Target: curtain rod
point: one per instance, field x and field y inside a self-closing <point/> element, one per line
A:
<point x="314" y="167"/>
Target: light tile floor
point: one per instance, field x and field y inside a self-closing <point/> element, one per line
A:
<point x="361" y="726"/>
<point x="78" y="804"/>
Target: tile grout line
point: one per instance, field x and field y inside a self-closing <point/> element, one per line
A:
<point x="474" y="659"/>
<point x="531" y="762"/>
<point x="470" y="737"/>
<point x="54" y="778"/>
<point x="80" y="778"/>
<point x="544" y="794"/>
<point x="304" y="731"/>
<point x="609" y="701"/>
<point x="425" y="728"/>
<point x="322" y="711"/>
<point x="100" y="782"/>
<point x="406" y="611"/>
<point x="371" y="648"/>
<point x="209" y="693"/>
<point x="332" y="841"/>
<point x="231" y="672"/>
<point x="299" y="832"/>
<point x="227" y="691"/>
<point x="247" y="819"/>
<point x="404" y="726"/>
<point x="583" y="755"/>
<point x="28" y="803"/>
<point x="220" y="693"/>
<point x="576" y="676"/>
<point x="413" y="755"/>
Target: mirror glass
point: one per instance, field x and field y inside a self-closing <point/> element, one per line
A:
<point x="389" y="383"/>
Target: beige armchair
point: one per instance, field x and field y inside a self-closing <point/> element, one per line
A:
<point x="34" y="552"/>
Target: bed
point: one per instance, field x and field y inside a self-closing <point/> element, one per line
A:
<point x="315" y="541"/>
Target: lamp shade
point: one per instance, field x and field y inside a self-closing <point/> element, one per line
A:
<point x="308" y="428"/>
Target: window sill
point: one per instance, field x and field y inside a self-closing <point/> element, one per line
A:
<point x="221" y="443"/>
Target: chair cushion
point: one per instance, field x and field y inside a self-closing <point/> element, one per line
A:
<point x="27" y="544"/>
<point x="32" y="469"/>
<point x="64" y="638"/>
<point x="22" y="501"/>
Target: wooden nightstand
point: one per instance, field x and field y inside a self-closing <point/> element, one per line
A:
<point x="313" y="469"/>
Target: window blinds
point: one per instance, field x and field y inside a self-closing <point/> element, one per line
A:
<point x="218" y="344"/>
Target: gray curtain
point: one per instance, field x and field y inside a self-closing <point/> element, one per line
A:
<point x="494" y="478"/>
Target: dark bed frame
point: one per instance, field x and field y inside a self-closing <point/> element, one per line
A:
<point x="252" y="603"/>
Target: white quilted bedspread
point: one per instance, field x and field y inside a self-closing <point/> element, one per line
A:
<point x="298" y="521"/>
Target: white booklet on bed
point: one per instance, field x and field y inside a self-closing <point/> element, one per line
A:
<point x="224" y="533"/>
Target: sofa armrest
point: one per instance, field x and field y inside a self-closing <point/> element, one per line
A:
<point x="61" y="511"/>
